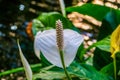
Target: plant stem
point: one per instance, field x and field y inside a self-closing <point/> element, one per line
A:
<point x="114" y="63"/>
<point x="62" y="6"/>
<point x="63" y="64"/>
<point x="19" y="69"/>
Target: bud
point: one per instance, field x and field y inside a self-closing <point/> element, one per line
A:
<point x="115" y="41"/>
<point x="59" y="34"/>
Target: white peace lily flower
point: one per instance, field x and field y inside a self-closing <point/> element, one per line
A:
<point x="26" y="65"/>
<point x="46" y="43"/>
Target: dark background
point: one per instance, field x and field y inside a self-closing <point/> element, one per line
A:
<point x="14" y="18"/>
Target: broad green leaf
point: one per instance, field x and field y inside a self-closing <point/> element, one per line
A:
<point x="82" y="71"/>
<point x="48" y="20"/>
<point x="87" y="72"/>
<point x="101" y="58"/>
<point x="117" y="16"/>
<point x="94" y="10"/>
<point x="25" y="63"/>
<point x="109" y="23"/>
<point x="108" y="69"/>
<point x="104" y="44"/>
<point x="49" y="75"/>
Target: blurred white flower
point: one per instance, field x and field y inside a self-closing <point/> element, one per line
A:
<point x="25" y="63"/>
<point x="46" y="43"/>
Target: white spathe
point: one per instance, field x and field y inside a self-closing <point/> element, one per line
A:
<point x="46" y="43"/>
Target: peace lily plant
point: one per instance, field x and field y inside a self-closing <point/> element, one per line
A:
<point x="58" y="46"/>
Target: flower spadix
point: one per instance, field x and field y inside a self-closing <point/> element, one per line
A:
<point x="115" y="41"/>
<point x="49" y="43"/>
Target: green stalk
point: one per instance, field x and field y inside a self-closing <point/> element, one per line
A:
<point x="115" y="67"/>
<point x="62" y="6"/>
<point x="63" y="64"/>
<point x="18" y="69"/>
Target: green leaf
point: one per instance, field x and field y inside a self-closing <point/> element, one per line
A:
<point x="49" y="75"/>
<point x="82" y="71"/>
<point x="108" y="69"/>
<point x="80" y="55"/>
<point x="104" y="44"/>
<point x="87" y="72"/>
<point x="48" y="20"/>
<point x="94" y="10"/>
<point x="117" y="14"/>
<point x="109" y="23"/>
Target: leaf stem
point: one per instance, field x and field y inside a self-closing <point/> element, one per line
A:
<point x="63" y="64"/>
<point x="115" y="68"/>
<point x="19" y="69"/>
<point x="62" y="6"/>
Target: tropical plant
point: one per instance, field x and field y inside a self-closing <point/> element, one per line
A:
<point x="65" y="52"/>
